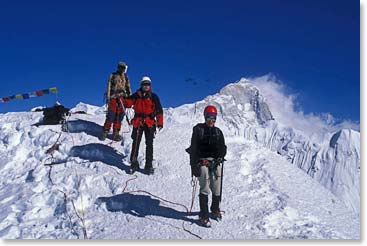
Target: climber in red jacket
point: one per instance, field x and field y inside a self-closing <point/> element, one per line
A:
<point x="148" y="116"/>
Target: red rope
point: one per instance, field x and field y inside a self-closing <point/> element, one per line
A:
<point x="189" y="211"/>
<point x="65" y="200"/>
<point x="50" y="152"/>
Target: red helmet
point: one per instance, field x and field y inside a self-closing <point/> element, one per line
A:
<point x="210" y="110"/>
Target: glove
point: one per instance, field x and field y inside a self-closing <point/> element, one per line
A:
<point x="160" y="128"/>
<point x="219" y="160"/>
<point x="195" y="171"/>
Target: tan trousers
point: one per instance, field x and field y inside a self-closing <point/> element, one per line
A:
<point x="209" y="182"/>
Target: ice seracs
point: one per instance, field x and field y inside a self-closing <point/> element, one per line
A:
<point x="245" y="112"/>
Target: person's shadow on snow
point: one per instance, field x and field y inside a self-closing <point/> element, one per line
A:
<point x="141" y="206"/>
<point x="99" y="152"/>
<point x="89" y="127"/>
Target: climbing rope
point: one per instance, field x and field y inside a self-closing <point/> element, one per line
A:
<point x="66" y="198"/>
<point x="189" y="211"/>
<point x="50" y="152"/>
<point x="81" y="218"/>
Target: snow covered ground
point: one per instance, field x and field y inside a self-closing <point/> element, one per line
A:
<point x="84" y="194"/>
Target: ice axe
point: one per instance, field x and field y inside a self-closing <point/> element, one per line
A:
<point x="124" y="109"/>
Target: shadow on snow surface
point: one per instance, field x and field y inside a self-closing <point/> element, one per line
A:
<point x="100" y="152"/>
<point x="141" y="206"/>
<point x="90" y="128"/>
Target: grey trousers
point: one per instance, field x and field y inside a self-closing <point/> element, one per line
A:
<point x="209" y="182"/>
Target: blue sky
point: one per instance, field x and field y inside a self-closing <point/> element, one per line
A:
<point x="311" y="46"/>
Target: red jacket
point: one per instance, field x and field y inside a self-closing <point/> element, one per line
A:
<point x="147" y="108"/>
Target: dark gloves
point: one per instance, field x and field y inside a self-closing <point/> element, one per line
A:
<point x="195" y="170"/>
<point x="160" y="128"/>
<point x="219" y="160"/>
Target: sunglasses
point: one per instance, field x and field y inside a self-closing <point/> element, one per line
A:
<point x="147" y="84"/>
<point x="211" y="119"/>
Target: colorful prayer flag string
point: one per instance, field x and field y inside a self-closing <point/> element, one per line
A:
<point x="29" y="95"/>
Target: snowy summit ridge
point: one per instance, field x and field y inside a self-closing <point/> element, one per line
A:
<point x="278" y="182"/>
<point x="246" y="113"/>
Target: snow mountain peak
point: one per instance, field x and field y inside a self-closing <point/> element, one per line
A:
<point x="245" y="113"/>
<point x="294" y="187"/>
<point x="247" y="96"/>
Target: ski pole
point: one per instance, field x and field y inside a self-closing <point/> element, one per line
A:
<point x="136" y="144"/>
<point x="221" y="182"/>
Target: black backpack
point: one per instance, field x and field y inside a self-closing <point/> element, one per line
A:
<point x="55" y="115"/>
<point x="201" y="136"/>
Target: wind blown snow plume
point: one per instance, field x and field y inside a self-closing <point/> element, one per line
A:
<point x="327" y="150"/>
<point x="258" y="109"/>
<point x="283" y="107"/>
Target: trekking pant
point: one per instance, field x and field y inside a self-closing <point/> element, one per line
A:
<point x="149" y="136"/>
<point x="114" y="116"/>
<point x="210" y="181"/>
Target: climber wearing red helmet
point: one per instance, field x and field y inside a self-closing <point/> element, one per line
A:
<point x="210" y="114"/>
<point x="207" y="152"/>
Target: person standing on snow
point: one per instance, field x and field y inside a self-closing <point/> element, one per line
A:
<point x="118" y="88"/>
<point x="148" y="116"/>
<point x="207" y="152"/>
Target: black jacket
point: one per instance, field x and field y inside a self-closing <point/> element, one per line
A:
<point x="206" y="142"/>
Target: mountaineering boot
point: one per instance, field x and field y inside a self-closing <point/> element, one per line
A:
<point x="149" y="170"/>
<point x="104" y="135"/>
<point x="116" y="136"/>
<point x="216" y="213"/>
<point x="205" y="222"/>
<point x="134" y="167"/>
<point x="204" y="211"/>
